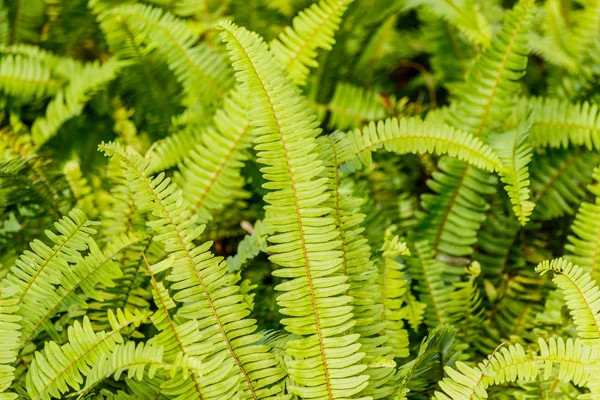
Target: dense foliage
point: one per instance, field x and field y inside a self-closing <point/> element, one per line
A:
<point x="368" y="199"/>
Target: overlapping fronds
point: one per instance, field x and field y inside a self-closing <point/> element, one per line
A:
<point x="70" y="101"/>
<point x="97" y="267"/>
<point x="204" y="289"/>
<point x="37" y="272"/>
<point x="314" y="28"/>
<point x="202" y="72"/>
<point x="59" y="368"/>
<point x="561" y="123"/>
<point x="463" y="14"/>
<point x="305" y="241"/>
<point x="210" y="174"/>
<point x="413" y="135"/>
<point x="515" y="152"/>
<point x="581" y="295"/>
<point x="584" y="243"/>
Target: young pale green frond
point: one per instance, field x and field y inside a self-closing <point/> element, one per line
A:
<point x="59" y="368"/>
<point x="584" y="244"/>
<point x="305" y="241"/>
<point x="463" y="14"/>
<point x="210" y="174"/>
<point x="352" y="106"/>
<point x="314" y="28"/>
<point x="70" y="101"/>
<point x="26" y="78"/>
<point x="126" y="358"/>
<point x="515" y="152"/>
<point x="561" y="123"/>
<point x="572" y="356"/>
<point x="413" y="135"/>
<point x="203" y="73"/>
<point x="203" y="286"/>
<point x="581" y="295"/>
<point x="97" y="267"/>
<point x="494" y="78"/>
<point x="505" y="365"/>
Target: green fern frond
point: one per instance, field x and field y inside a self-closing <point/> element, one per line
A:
<point x="10" y="335"/>
<point x="37" y="272"/>
<point x="26" y="78"/>
<point x="97" y="267"/>
<point x="59" y="368"/>
<point x="210" y="174"/>
<point x="428" y="272"/>
<point x="412" y="135"/>
<point x="464" y="14"/>
<point x="314" y="28"/>
<point x="249" y="247"/>
<point x="557" y="181"/>
<point x="572" y="356"/>
<point x="581" y="295"/>
<point x="495" y="76"/>
<point x="559" y="123"/>
<point x="28" y="19"/>
<point x="584" y="243"/>
<point x="70" y="101"/>
<point x="203" y="73"/>
<point x="515" y="153"/>
<point x="305" y="241"/>
<point x="204" y="288"/>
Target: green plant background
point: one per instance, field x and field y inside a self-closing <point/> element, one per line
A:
<point x="340" y="199"/>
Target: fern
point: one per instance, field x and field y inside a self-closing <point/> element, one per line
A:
<point x="292" y="170"/>
<point x="312" y="29"/>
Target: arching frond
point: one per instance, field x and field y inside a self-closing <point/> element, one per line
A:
<point x="10" y="337"/>
<point x="314" y="28"/>
<point x="305" y="242"/>
<point x="59" y="368"/>
<point x="514" y="151"/>
<point x="581" y="295"/>
<point x="26" y="78"/>
<point x="412" y="135"/>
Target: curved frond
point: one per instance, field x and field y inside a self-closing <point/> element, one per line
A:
<point x="305" y="242"/>
<point x="412" y="135"/>
<point x="10" y="336"/>
<point x="581" y="295"/>
<point x="314" y="28"/>
<point x="59" y="368"/>
<point x="26" y="78"/>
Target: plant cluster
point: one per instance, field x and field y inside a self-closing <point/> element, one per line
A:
<point x="252" y="199"/>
